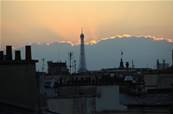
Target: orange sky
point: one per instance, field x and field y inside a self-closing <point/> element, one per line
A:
<point x="33" y="21"/>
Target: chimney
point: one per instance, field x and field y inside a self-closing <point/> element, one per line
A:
<point x="1" y="55"/>
<point x="17" y="55"/>
<point x="9" y="53"/>
<point x="28" y="55"/>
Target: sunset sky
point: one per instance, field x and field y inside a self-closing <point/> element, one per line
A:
<point x="24" y="22"/>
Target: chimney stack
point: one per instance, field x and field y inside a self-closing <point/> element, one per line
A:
<point x="28" y="55"/>
<point x="1" y="55"/>
<point x="17" y="55"/>
<point x="9" y="53"/>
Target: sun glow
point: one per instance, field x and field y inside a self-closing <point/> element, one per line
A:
<point x="124" y="36"/>
<point x="61" y="21"/>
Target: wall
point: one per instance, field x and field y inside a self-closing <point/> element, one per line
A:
<point x="153" y="81"/>
<point x="18" y="85"/>
<point x="83" y="101"/>
<point x="109" y="99"/>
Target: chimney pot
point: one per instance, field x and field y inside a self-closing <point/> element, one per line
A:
<point x="1" y="55"/>
<point x="17" y="55"/>
<point x="28" y="55"/>
<point x="9" y="53"/>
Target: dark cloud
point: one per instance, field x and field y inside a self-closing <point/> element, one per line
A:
<point x="106" y="53"/>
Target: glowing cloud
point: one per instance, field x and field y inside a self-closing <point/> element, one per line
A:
<point x="93" y="42"/>
<point x="123" y="36"/>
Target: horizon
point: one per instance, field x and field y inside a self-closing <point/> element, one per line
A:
<point x="106" y="53"/>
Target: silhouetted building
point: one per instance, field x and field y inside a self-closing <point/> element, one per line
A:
<point x="121" y="64"/>
<point x="57" y="68"/>
<point x="162" y="66"/>
<point x="18" y="84"/>
<point x="82" y="64"/>
<point x="158" y="80"/>
<point x="127" y="65"/>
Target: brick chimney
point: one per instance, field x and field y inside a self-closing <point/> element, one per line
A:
<point x="1" y="55"/>
<point x="28" y="55"/>
<point x="17" y="55"/>
<point x="9" y="53"/>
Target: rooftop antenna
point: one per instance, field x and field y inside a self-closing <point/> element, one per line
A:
<point x="133" y="66"/>
<point x="74" y="66"/>
<point x="70" y="61"/>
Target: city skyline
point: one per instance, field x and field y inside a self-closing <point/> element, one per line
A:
<point x="57" y="21"/>
<point x="107" y="53"/>
<point x="86" y="57"/>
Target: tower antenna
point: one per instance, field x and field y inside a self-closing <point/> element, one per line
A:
<point x="70" y="61"/>
<point x="81" y="30"/>
<point x="74" y="66"/>
<point x="82" y="63"/>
